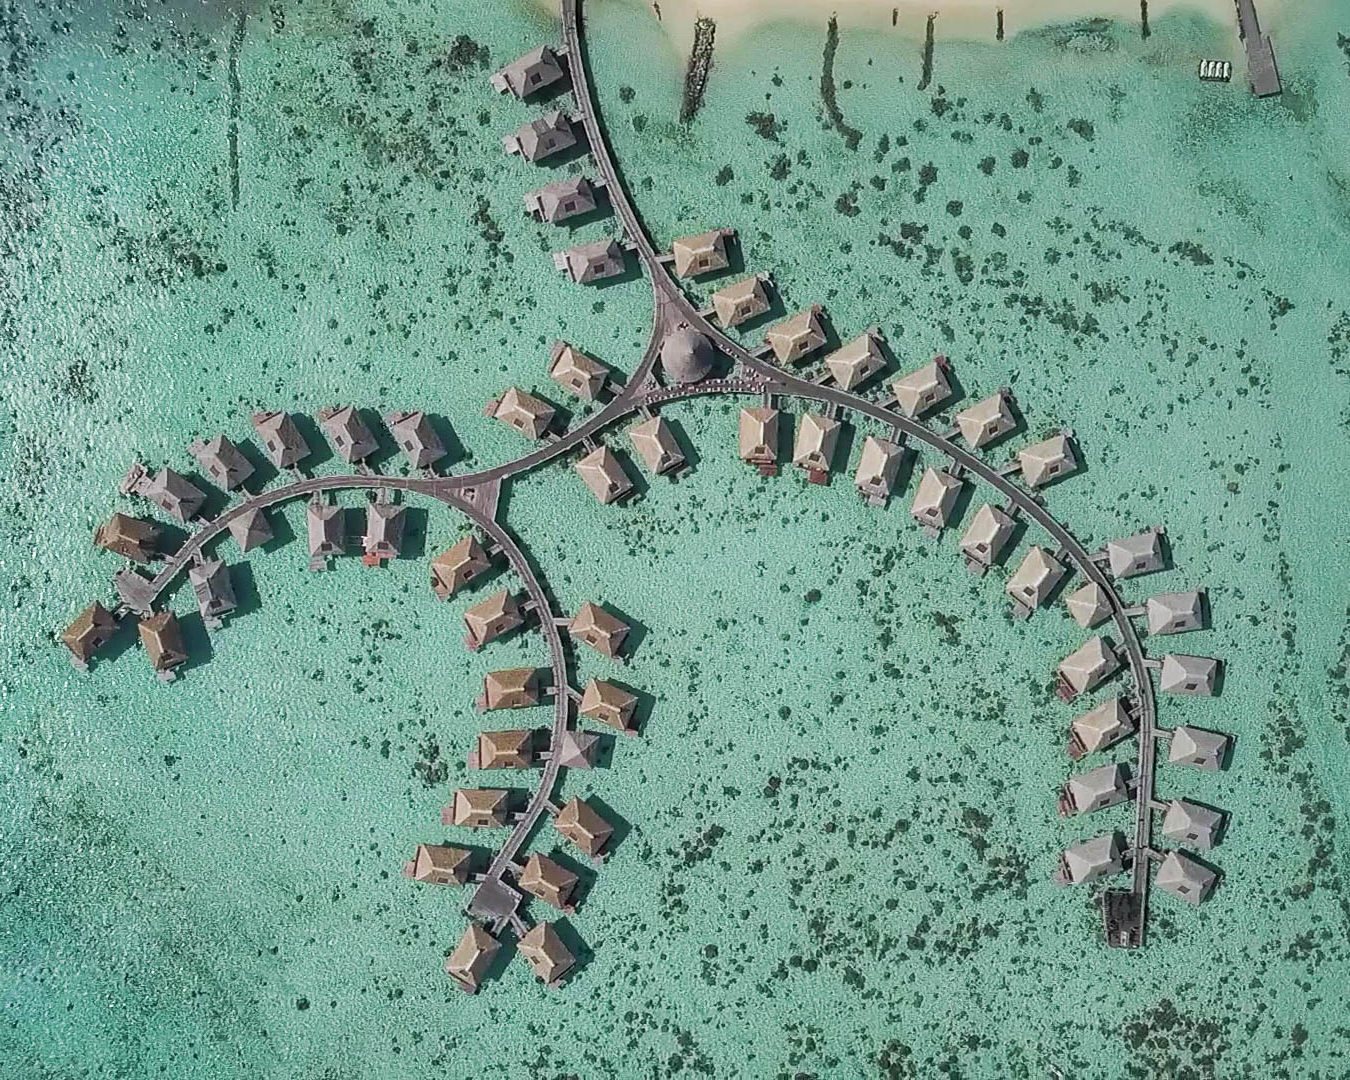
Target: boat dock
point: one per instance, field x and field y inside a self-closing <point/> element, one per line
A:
<point x="1262" y="73"/>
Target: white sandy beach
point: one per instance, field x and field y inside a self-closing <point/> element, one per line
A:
<point x="968" y="19"/>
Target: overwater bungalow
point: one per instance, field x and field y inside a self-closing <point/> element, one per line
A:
<point x="1099" y="857"/>
<point x="1101" y="726"/>
<point x="741" y="301"/>
<point x="704" y="253"/>
<point x="384" y="532"/>
<point x="347" y="432"/>
<point x="416" y="437"/>
<point x="1192" y="824"/>
<point x="878" y="469"/>
<point x="576" y="749"/>
<point x="547" y="954"/>
<point x="175" y="495"/>
<point x="250" y="529"/>
<point x="596" y="261"/>
<point x="582" y="824"/>
<point x="1095" y="789"/>
<point x="817" y="436"/>
<point x="989" y="532"/>
<point x="687" y="356"/>
<point x="325" y="528"/>
<point x="601" y="471"/>
<point x="131" y="537"/>
<point x="91" y="630"/>
<point x="535" y="71"/>
<point x="1189" y="676"/>
<point x="503" y="750"/>
<point x="458" y="565"/>
<point x="163" y="640"/>
<point x="794" y="339"/>
<point x="1197" y="748"/>
<point x="222" y="461"/>
<point x="986" y="420"/>
<point x="541" y="138"/>
<point x="1035" y="580"/>
<point x="599" y="629"/>
<point x="499" y="614"/>
<point x="281" y="439"/>
<point x="1141" y="553"/>
<point x="1087" y="667"/>
<point x="924" y="388"/>
<point x="551" y="882"/>
<point x="853" y="363"/>
<point x="472" y="958"/>
<point x="556" y="202"/>
<point x="524" y="412"/>
<point x="438" y="864"/>
<point x="477" y="808"/>
<point x="210" y="580"/>
<point x="576" y="372"/>
<point x="1048" y="460"/>
<point x="1176" y="612"/>
<point x="610" y="704"/>
<point x="1185" y="878"/>
<point x="655" y="444"/>
<point x="935" y="499"/>
<point x="512" y="688"/>
<point x="1089" y="605"/>
<point x="759" y="438"/>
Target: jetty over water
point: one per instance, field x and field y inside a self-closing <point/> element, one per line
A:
<point x="687" y="356"/>
<point x="1261" y="70"/>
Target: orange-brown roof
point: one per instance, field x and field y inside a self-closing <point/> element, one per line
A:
<point x="512" y="688"/>
<point x="524" y="412"/>
<point x="163" y="640"/>
<point x="458" y="565"/>
<point x="477" y="808"/>
<point x="608" y="703"/>
<point x="599" y="629"/>
<point x="472" y="957"/>
<point x="89" y="632"/>
<point x="128" y="536"/>
<point x="548" y="880"/>
<point x="440" y="864"/>
<point x="546" y="953"/>
<point x="741" y="300"/>
<point x="505" y="749"/>
<point x="493" y="617"/>
<point x="583" y="825"/>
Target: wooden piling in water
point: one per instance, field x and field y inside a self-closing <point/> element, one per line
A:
<point x="700" y="62"/>
<point x="927" y="76"/>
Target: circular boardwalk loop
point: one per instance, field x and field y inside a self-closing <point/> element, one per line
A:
<point x="476" y="494"/>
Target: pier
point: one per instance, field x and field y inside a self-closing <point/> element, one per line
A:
<point x="714" y="364"/>
<point x="1262" y="73"/>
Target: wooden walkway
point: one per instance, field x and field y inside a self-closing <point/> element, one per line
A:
<point x="781" y="382"/>
<point x="1262" y="73"/>
<point x="475" y="494"/>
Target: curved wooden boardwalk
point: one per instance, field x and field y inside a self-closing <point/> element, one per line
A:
<point x="784" y="383"/>
<point x="752" y="376"/>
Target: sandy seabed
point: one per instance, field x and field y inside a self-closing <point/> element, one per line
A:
<point x="963" y="19"/>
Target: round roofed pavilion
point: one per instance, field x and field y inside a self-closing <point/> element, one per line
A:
<point x="687" y="356"/>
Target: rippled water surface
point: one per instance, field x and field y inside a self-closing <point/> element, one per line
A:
<point x="838" y="825"/>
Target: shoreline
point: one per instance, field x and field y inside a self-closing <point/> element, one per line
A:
<point x="955" y="20"/>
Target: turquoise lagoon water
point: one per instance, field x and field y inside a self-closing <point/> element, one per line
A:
<point x="839" y="820"/>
